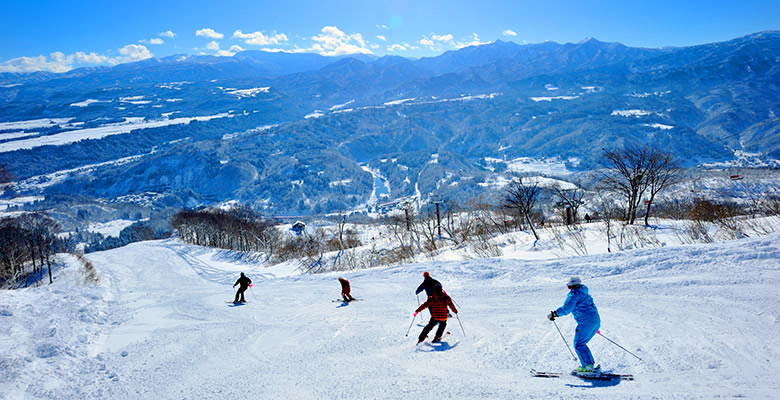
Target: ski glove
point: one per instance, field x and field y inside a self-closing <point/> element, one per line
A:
<point x="552" y="315"/>
<point x="415" y="314"/>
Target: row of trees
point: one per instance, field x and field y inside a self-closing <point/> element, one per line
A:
<point x="239" y="229"/>
<point x="242" y="229"/>
<point x="29" y="240"/>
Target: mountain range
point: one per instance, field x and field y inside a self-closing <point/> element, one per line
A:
<point x="303" y="133"/>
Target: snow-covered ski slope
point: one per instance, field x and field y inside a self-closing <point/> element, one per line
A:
<point x="703" y="317"/>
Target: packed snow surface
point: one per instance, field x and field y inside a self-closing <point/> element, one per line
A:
<point x="704" y="318"/>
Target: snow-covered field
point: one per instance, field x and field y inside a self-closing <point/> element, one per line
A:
<point x="704" y="318"/>
<point x="110" y="228"/>
<point x="71" y="136"/>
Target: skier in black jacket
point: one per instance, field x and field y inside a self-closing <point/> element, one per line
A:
<point x="427" y="285"/>
<point x="243" y="283"/>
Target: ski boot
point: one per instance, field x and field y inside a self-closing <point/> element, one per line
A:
<point x="588" y="371"/>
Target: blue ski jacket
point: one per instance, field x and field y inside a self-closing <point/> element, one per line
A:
<point x="579" y="304"/>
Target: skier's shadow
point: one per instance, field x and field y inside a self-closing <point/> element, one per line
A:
<point x="441" y="346"/>
<point x="597" y="384"/>
<point x="344" y="304"/>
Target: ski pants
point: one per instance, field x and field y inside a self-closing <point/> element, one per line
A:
<point x="240" y="292"/>
<point x="582" y="335"/>
<point x="431" y="324"/>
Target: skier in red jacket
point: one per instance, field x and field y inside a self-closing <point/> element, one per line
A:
<point x="345" y="290"/>
<point x="438" y="303"/>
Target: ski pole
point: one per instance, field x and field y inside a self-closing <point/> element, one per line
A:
<point x="461" y="325"/>
<point x="564" y="341"/>
<point x="410" y="324"/>
<point x="253" y="292"/>
<point x="456" y="304"/>
<point x="613" y="342"/>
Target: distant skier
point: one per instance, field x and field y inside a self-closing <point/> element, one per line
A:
<point x="581" y="306"/>
<point x="345" y="289"/>
<point x="438" y="303"/>
<point x="587" y="218"/>
<point x="427" y="284"/>
<point x="243" y="284"/>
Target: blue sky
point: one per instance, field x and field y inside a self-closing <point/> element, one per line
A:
<point x="61" y="35"/>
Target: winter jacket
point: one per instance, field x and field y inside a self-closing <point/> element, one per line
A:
<point x="427" y="285"/>
<point x="344" y="286"/>
<point x="244" y="282"/>
<point x="438" y="302"/>
<point x="580" y="305"/>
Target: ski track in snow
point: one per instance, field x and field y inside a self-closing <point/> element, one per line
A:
<point x="703" y="318"/>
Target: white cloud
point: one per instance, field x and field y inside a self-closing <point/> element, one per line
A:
<point x="296" y="50"/>
<point x="167" y="34"/>
<point x="260" y="39"/>
<point x="442" y="38"/>
<point x="134" y="52"/>
<point x="60" y="62"/>
<point x="90" y="58"/>
<point x="509" y="32"/>
<point x="230" y="53"/>
<point x="212" y="45"/>
<point x="33" y="64"/>
<point x="332" y="42"/>
<point x="474" y="42"/>
<point x="209" y="33"/>
<point x="426" y="42"/>
<point x="152" y="41"/>
<point x="382" y="26"/>
<point x="396" y="47"/>
<point x="382" y="38"/>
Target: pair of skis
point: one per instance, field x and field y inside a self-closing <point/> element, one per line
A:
<point x="597" y="376"/>
<point x="345" y="301"/>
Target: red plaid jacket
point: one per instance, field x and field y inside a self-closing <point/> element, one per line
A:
<point x="438" y="303"/>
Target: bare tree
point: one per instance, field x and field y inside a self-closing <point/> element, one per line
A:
<point x="40" y="236"/>
<point x="607" y="209"/>
<point x="632" y="171"/>
<point x="397" y="227"/>
<point x="428" y="228"/>
<point x="571" y="199"/>
<point x="521" y="196"/>
<point x="13" y="250"/>
<point x="663" y="172"/>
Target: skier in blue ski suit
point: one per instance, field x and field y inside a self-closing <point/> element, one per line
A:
<point x="581" y="306"/>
